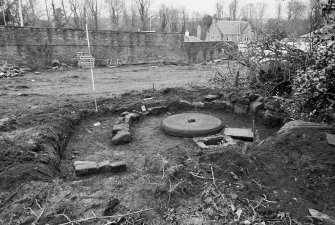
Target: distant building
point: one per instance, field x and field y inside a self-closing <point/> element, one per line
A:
<point x="236" y="31"/>
<point x="188" y="38"/>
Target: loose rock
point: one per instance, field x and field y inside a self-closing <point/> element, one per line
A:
<point x="104" y="167"/>
<point x="124" y="113"/>
<point x="122" y="137"/>
<point x="240" y="133"/>
<point x="120" y="166"/>
<point x="83" y="168"/>
<point x="120" y="127"/>
<point x="131" y="117"/>
<point x="198" y="104"/>
<point x="210" y="98"/>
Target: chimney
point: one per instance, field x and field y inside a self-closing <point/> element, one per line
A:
<point x="187" y="33"/>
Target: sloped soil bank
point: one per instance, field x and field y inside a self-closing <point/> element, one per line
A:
<point x="171" y="179"/>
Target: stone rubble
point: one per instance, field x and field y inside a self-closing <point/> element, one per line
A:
<point x="122" y="137"/>
<point x="8" y="70"/>
<point x="83" y="168"/>
<point x="245" y="134"/>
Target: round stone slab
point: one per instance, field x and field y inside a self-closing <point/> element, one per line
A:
<point x="191" y="125"/>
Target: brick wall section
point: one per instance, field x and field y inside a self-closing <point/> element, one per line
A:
<point x="37" y="47"/>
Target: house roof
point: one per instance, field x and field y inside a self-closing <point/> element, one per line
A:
<point x="231" y="27"/>
<point x="191" y="39"/>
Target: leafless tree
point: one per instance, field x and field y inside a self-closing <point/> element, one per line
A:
<point x="95" y="12"/>
<point x="296" y="9"/>
<point x="315" y="14"/>
<point x="116" y="8"/>
<point x="30" y="12"/>
<point x="219" y="9"/>
<point x="174" y="20"/>
<point x="143" y="10"/>
<point x="233" y="9"/>
<point x="248" y="12"/>
<point x="47" y="9"/>
<point x="259" y="15"/>
<point x="79" y="11"/>
<point x="279" y="10"/>
<point x="163" y="17"/>
<point x="65" y="12"/>
<point x="134" y="16"/>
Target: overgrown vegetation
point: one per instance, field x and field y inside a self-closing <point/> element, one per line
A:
<point x="300" y="71"/>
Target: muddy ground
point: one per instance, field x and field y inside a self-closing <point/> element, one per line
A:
<point x="169" y="180"/>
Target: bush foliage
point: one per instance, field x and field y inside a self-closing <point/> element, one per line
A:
<point x="303" y="76"/>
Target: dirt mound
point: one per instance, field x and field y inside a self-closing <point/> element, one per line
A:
<point x="294" y="172"/>
<point x="34" y="153"/>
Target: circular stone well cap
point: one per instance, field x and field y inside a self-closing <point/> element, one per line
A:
<point x="191" y="125"/>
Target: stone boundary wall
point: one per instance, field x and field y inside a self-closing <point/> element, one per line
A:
<point x="37" y="47"/>
<point x="198" y="52"/>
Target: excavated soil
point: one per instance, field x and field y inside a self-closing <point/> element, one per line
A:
<point x="169" y="180"/>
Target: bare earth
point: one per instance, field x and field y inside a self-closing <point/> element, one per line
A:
<point x="169" y="180"/>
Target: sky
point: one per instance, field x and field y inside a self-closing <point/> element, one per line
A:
<point x="208" y="6"/>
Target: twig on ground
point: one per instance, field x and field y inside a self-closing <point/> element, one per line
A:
<point x="254" y="211"/>
<point x="11" y="218"/>
<point x="173" y="188"/>
<point x="163" y="168"/>
<point x="201" y="177"/>
<point x="42" y="172"/>
<point x="38" y="216"/>
<point x="288" y="215"/>
<point x="258" y="204"/>
<point x="103" y="217"/>
<point x="213" y="178"/>
<point x="150" y="181"/>
<point x="266" y="199"/>
<point x="261" y="186"/>
<point x="64" y="216"/>
<point x="260" y="143"/>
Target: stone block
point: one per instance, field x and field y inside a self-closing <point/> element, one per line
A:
<point x="83" y="168"/>
<point x="104" y="167"/>
<point x="131" y="117"/>
<point x="119" y="166"/>
<point x="330" y="139"/>
<point x="210" y="98"/>
<point x="118" y="127"/>
<point x="122" y="137"/>
<point x="124" y="113"/>
<point x="198" y="104"/>
<point x="245" y="134"/>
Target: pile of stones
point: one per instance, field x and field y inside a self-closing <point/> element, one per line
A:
<point x="8" y="70"/>
<point x="121" y="130"/>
